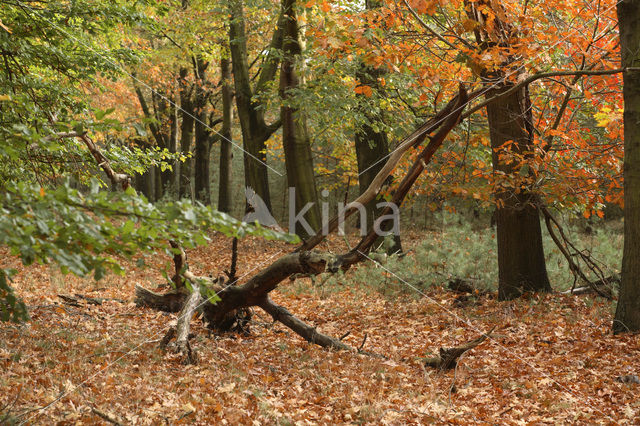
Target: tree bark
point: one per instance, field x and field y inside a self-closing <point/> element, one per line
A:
<point x="202" y="155"/>
<point x="295" y="137"/>
<point x="255" y="131"/>
<point x="226" y="155"/>
<point x="372" y="146"/>
<point x="627" y="318"/>
<point x="186" y="134"/>
<point x="521" y="263"/>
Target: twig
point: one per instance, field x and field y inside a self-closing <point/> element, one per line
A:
<point x="105" y="416"/>
<point x="363" y="342"/>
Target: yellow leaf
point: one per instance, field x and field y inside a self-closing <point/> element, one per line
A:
<point x="42" y="192"/>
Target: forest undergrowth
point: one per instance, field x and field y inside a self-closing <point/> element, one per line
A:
<point x="551" y="358"/>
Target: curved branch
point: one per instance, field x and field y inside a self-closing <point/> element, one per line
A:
<point x="540" y="76"/>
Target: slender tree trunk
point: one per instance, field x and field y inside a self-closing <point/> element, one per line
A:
<point x="628" y="311"/>
<point x="168" y="175"/>
<point x="295" y="138"/>
<point x="157" y="184"/>
<point x="521" y="262"/>
<point x="226" y="155"/>
<point x="372" y="146"/>
<point x="163" y="139"/>
<point x="186" y="135"/>
<point x="202" y="176"/>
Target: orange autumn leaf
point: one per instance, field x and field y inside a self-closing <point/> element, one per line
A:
<point x="364" y="90"/>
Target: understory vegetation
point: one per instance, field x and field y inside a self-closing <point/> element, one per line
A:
<point x="458" y="247"/>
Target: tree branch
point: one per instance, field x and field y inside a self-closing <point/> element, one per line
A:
<point x="103" y="163"/>
<point x="308" y="333"/>
<point x="539" y="76"/>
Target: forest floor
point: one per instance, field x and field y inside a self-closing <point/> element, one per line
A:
<point x="551" y="359"/>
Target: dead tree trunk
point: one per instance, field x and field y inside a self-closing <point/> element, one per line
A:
<point x="183" y="325"/>
<point x="256" y="290"/>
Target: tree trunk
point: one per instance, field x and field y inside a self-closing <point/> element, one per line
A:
<point x="161" y="109"/>
<point x="168" y="175"/>
<point x="251" y="112"/>
<point x="202" y="176"/>
<point x="226" y="155"/>
<point x="148" y="188"/>
<point x="627" y="316"/>
<point x="295" y="138"/>
<point x="372" y="147"/>
<point x="255" y="170"/>
<point x="157" y="184"/>
<point x="186" y="134"/>
<point x="521" y="263"/>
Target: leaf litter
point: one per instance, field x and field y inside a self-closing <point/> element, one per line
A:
<point x="551" y="359"/>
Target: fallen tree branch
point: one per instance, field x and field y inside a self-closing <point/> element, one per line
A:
<point x="181" y="331"/>
<point x="308" y="333"/>
<point x="106" y="416"/>
<point x="255" y="292"/>
<point x="605" y="286"/>
<point x="452" y="109"/>
<point x="77" y="298"/>
<point x="166" y="302"/>
<point x="449" y="356"/>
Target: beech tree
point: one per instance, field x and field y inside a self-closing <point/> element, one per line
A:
<point x="226" y="153"/>
<point x="521" y="263"/>
<point x="295" y="137"/>
<point x="251" y="113"/>
<point x="627" y="317"/>
<point x="371" y="141"/>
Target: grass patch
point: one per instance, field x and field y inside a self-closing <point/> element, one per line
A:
<point x="460" y="249"/>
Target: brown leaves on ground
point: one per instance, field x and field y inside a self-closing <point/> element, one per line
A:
<point x="551" y="359"/>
